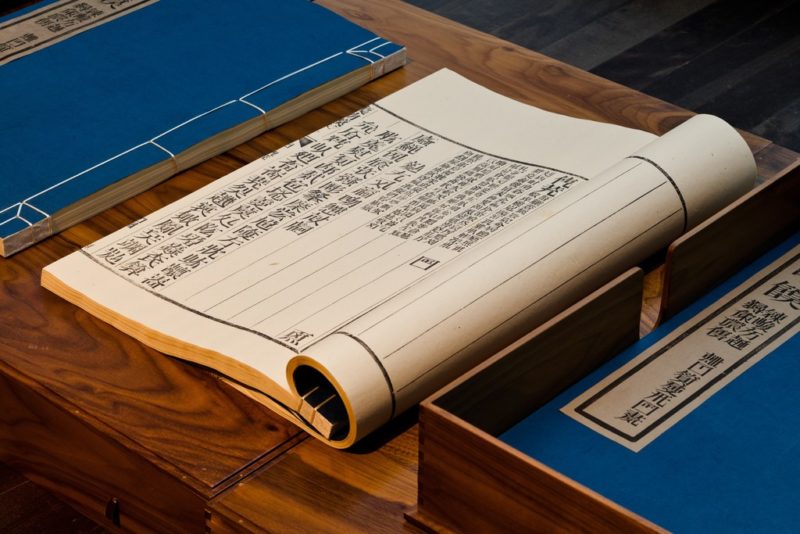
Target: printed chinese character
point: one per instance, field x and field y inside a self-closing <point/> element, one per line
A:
<point x="156" y="281"/>
<point x="424" y="263"/>
<point x="295" y="337"/>
<point x="673" y="387"/>
<point x="660" y="398"/>
<point x="204" y="208"/>
<point x="717" y="332"/>
<point x="134" y="268"/>
<point x="175" y="270"/>
<point x="187" y="217"/>
<point x="152" y="259"/>
<point x="191" y="239"/>
<point x="785" y="292"/>
<point x="299" y="227"/>
<point x="112" y="255"/>
<point x="247" y="232"/>
<point x="150" y="236"/>
<point x="706" y="363"/>
<point x="172" y="249"/>
<point x="414" y="167"/>
<point x="738" y="342"/>
<point x="168" y="227"/>
<point x="207" y="229"/>
<point x="632" y="417"/>
<point x="193" y="261"/>
<point x="646" y="407"/>
<point x="131" y="246"/>
<point x="212" y="250"/>
<point x="304" y="157"/>
<point x="686" y="377"/>
<point x="754" y="306"/>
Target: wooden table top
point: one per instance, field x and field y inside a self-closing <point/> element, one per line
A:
<point x="183" y="419"/>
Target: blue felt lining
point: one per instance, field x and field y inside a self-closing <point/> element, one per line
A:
<point x="731" y="465"/>
<point x="12" y="226"/>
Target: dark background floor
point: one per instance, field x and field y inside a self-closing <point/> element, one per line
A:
<point x="739" y="60"/>
<point x="736" y="59"/>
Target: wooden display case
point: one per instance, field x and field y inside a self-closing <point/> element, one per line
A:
<point x="471" y="480"/>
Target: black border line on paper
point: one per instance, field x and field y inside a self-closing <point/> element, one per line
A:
<point x="634" y="438"/>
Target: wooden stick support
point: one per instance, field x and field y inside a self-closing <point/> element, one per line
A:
<point x="322" y="408"/>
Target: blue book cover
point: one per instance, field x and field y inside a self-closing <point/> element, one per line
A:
<point x="694" y="427"/>
<point x="95" y="91"/>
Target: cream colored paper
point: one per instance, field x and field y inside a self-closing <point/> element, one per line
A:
<point x="398" y="247"/>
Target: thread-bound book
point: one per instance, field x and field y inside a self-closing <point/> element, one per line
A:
<point x="346" y="276"/>
<point x="101" y="99"/>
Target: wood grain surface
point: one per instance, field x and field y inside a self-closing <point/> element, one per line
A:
<point x="470" y="486"/>
<point x="181" y="417"/>
<point x="471" y="481"/>
<point x="183" y="422"/>
<point x="729" y="240"/>
<point x="314" y="488"/>
<point x="86" y="467"/>
<point x="541" y="364"/>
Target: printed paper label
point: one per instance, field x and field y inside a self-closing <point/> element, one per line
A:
<point x="655" y="390"/>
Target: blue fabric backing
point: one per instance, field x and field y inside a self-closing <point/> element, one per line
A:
<point x="99" y="93"/>
<point x="729" y="466"/>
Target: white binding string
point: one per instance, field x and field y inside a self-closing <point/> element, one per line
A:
<point x="169" y="152"/>
<point x="11" y="207"/>
<point x="372" y="50"/>
<point x="261" y="110"/>
<point x="184" y="123"/>
<point x="356" y="51"/>
<point x="31" y="206"/>
<point x="284" y="77"/>
<point x="353" y="51"/>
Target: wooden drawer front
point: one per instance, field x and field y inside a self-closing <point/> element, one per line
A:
<point x="59" y="449"/>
